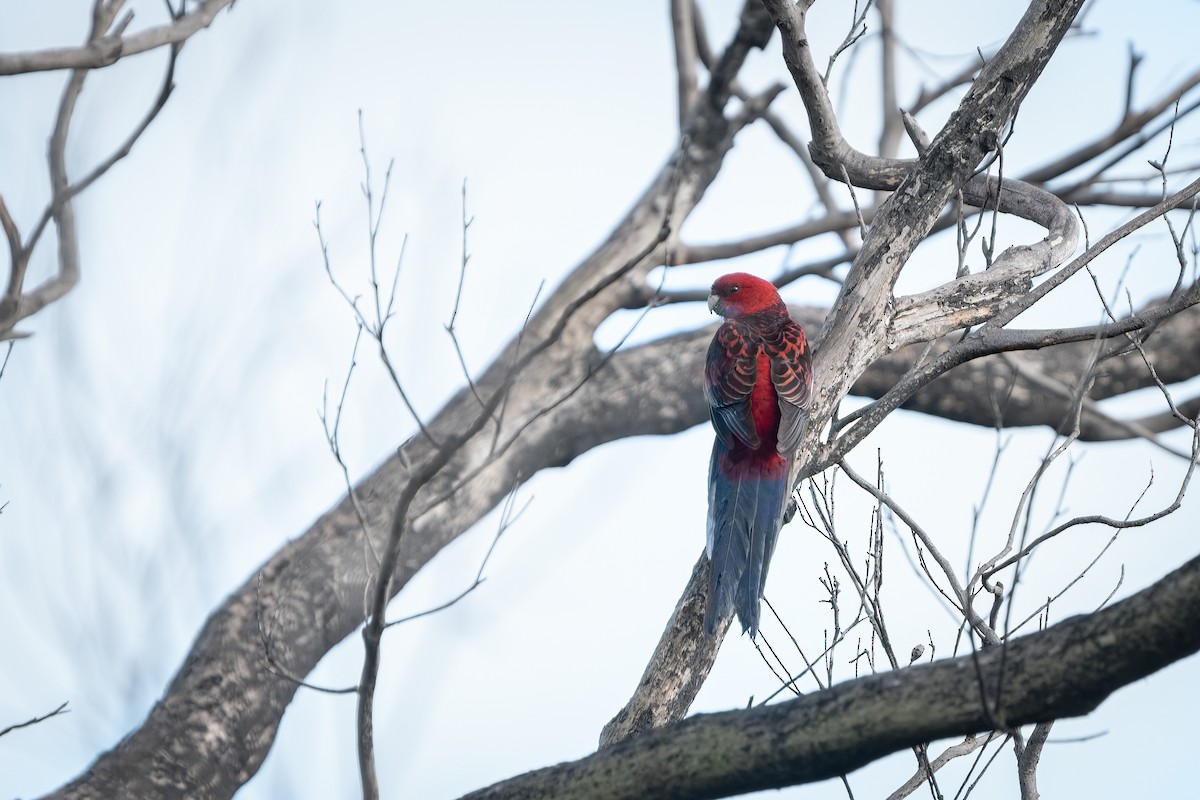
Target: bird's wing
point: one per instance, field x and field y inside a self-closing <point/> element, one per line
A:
<point x="791" y="374"/>
<point x="729" y="376"/>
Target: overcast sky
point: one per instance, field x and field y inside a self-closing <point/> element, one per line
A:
<point x="159" y="434"/>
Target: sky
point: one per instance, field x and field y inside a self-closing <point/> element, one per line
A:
<point x="159" y="435"/>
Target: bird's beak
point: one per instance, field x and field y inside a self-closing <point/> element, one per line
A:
<point x="713" y="302"/>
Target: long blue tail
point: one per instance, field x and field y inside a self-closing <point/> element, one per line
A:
<point x="745" y="513"/>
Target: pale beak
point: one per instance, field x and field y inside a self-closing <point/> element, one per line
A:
<point x="713" y="302"/>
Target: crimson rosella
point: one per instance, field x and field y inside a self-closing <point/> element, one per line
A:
<point x="757" y="379"/>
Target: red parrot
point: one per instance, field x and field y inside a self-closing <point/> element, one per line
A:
<point x="757" y="379"/>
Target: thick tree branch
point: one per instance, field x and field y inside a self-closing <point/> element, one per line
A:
<point x="312" y="588"/>
<point x="671" y="674"/>
<point x="1067" y="670"/>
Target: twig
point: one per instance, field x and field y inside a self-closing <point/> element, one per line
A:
<point x="1130" y="125"/>
<point x="462" y="279"/>
<point x="858" y="27"/>
<point x="377" y="328"/>
<point x="965" y="747"/>
<point x="963" y="601"/>
<point x="268" y="656"/>
<point x="62" y="709"/>
<point x="332" y="437"/>
<point x="862" y="224"/>
<point x="507" y="519"/>
<point x="7" y="353"/>
<point x="964" y="791"/>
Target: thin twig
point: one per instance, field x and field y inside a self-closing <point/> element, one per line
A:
<point x="62" y="709"/>
<point x="462" y="279"/>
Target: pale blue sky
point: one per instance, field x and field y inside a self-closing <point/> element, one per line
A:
<point x="160" y="436"/>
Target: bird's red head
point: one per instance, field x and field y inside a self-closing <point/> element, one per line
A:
<point x="740" y="294"/>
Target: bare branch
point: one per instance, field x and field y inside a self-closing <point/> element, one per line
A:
<point x="382" y="589"/>
<point x="807" y="739"/>
<point x="333" y="438"/>
<point x="1028" y="754"/>
<point x="509" y="514"/>
<point x="889" y="138"/>
<point x="858" y="29"/>
<point x="961" y="600"/>
<point x="17" y="304"/>
<point x="683" y="34"/>
<point x="106" y="49"/>
<point x="1100" y="519"/>
<point x="1130" y="125"/>
<point x="306" y="584"/>
<point x="268" y="652"/>
<point x="1079" y="186"/>
<point x="927" y="97"/>
<point x="62" y="709"/>
<point x="462" y="279"/>
<point x="669" y="684"/>
<point x="994" y="338"/>
<point x="126" y="146"/>
<point x="829" y="223"/>
<point x="967" y="746"/>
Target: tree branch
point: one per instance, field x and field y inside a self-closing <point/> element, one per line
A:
<point x="16" y="303"/>
<point x="1130" y="125"/>
<point x="683" y="33"/>
<point x="106" y="50"/>
<point x="1067" y="670"/>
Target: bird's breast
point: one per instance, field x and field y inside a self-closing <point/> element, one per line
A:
<point x="764" y="406"/>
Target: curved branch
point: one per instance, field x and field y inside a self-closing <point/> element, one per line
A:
<point x="977" y="297"/>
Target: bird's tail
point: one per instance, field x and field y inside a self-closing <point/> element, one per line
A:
<point x="745" y="512"/>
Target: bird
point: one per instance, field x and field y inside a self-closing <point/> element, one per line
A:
<point x="757" y="379"/>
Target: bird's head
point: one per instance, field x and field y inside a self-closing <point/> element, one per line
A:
<point x="741" y="294"/>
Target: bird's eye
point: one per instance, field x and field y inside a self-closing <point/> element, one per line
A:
<point x="734" y="289"/>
